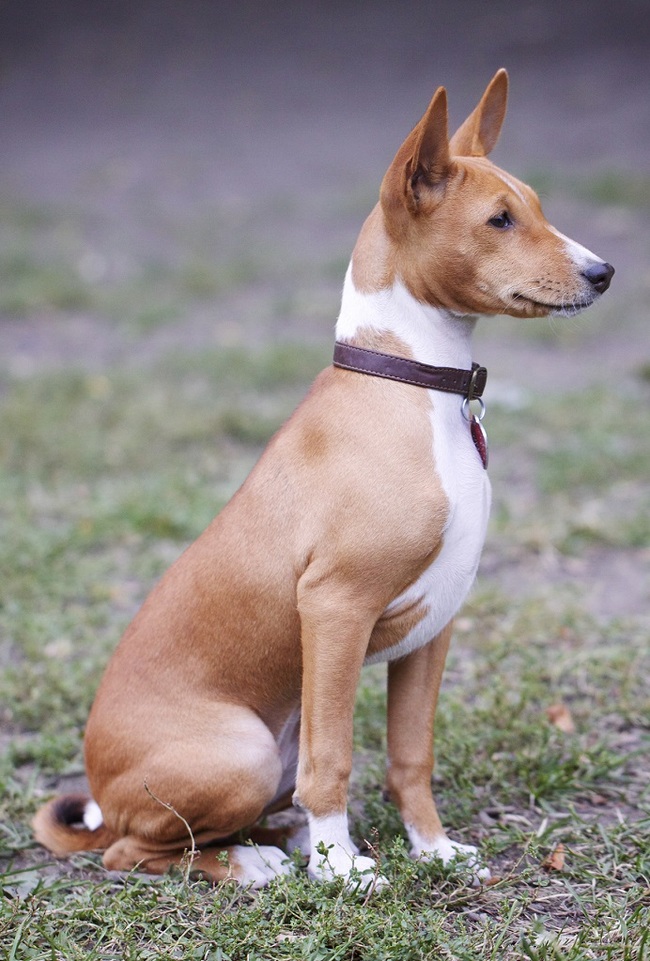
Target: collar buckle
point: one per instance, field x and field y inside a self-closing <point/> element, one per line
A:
<point x="477" y="382"/>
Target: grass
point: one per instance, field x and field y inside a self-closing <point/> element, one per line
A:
<point x="586" y="457"/>
<point x="105" y="476"/>
<point x="56" y="259"/>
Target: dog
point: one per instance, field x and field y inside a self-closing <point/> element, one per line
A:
<point x="355" y="539"/>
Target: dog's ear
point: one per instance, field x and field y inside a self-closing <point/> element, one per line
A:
<point x="477" y="136"/>
<point x="429" y="162"/>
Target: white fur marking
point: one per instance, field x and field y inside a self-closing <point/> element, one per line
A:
<point x="256" y="866"/>
<point x="444" y="848"/>
<point x="342" y="857"/>
<point x="332" y="831"/>
<point x="433" y="337"/>
<point x="512" y="186"/>
<point x="445" y="584"/>
<point x="93" y="817"/>
<point x="581" y="256"/>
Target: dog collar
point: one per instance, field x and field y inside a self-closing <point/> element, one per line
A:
<point x="470" y="384"/>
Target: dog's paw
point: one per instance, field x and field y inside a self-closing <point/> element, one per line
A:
<point x="360" y="873"/>
<point x="333" y="854"/>
<point x="256" y="866"/>
<point x="448" y="851"/>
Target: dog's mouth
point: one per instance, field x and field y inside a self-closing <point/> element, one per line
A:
<point x="563" y="309"/>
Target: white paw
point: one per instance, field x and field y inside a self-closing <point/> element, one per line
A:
<point x="448" y="851"/>
<point x="360" y="873"/>
<point x="256" y="866"/>
<point x="334" y="855"/>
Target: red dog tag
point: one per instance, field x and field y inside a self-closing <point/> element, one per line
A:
<point x="480" y="439"/>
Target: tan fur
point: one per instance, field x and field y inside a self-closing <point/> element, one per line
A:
<point x="52" y="827"/>
<point x="413" y="688"/>
<point x="274" y="609"/>
<point x="373" y="266"/>
<point x="386" y="343"/>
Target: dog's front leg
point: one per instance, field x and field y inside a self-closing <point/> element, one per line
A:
<point x="413" y="687"/>
<point x="335" y="631"/>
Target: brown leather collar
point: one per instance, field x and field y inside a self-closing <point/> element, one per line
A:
<point x="469" y="383"/>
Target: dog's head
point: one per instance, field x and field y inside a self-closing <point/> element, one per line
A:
<point x="466" y="236"/>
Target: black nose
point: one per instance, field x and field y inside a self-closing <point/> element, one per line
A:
<point x="599" y="276"/>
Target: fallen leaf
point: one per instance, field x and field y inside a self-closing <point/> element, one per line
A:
<point x="555" y="860"/>
<point x="597" y="799"/>
<point x="560" y="716"/>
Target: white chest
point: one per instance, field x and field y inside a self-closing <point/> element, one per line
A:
<point x="436" y="337"/>
<point x="443" y="587"/>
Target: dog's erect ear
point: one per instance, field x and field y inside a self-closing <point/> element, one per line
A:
<point x="480" y="132"/>
<point x="429" y="161"/>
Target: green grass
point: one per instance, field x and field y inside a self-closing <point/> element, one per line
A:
<point x="67" y="260"/>
<point x="104" y="477"/>
<point x="75" y="259"/>
<point x="585" y="459"/>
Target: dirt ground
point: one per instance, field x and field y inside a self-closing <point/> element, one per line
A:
<point x="197" y="103"/>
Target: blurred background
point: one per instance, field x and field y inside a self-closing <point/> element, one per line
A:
<point x="227" y="153"/>
<point x="181" y="185"/>
<point x="181" y="179"/>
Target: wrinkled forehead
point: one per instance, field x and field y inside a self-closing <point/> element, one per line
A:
<point x="496" y="183"/>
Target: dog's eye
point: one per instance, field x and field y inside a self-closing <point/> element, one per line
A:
<point x="501" y="221"/>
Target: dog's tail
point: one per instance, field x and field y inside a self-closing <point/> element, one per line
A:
<point x="72" y="822"/>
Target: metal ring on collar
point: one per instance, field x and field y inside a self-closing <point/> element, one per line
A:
<point x="468" y="413"/>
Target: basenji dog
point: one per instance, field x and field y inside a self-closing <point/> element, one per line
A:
<point x="355" y="539"/>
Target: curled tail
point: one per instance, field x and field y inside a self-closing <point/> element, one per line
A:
<point x="72" y="822"/>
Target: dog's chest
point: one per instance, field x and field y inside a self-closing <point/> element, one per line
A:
<point x="421" y="612"/>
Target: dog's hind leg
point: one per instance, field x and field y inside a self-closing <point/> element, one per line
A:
<point x="184" y="799"/>
<point x="250" y="865"/>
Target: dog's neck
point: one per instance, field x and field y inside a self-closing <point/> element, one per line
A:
<point x="393" y="321"/>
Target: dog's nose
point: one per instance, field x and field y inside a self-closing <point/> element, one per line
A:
<point x="599" y="276"/>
